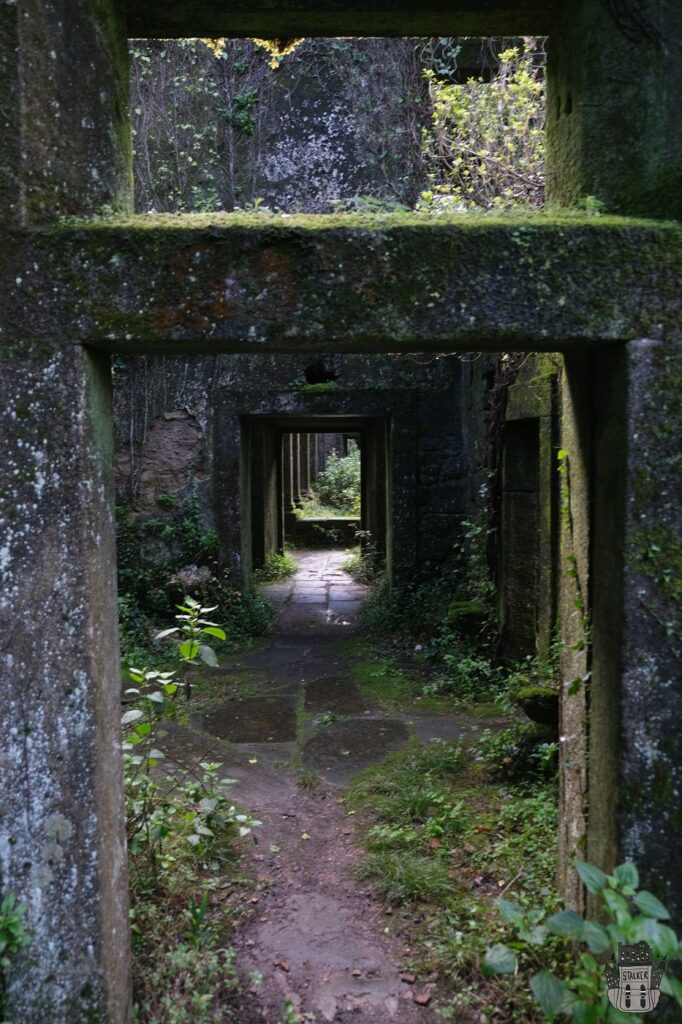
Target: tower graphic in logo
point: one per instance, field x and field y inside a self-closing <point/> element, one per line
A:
<point x="633" y="986"/>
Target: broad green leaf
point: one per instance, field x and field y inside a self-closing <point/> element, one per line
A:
<point x="534" y="936"/>
<point x="207" y="655"/>
<point x="596" y="937"/>
<point x="617" y="905"/>
<point x="566" y="923"/>
<point x="143" y="729"/>
<point x="189" y="650"/>
<point x="156" y="697"/>
<point x="593" y="877"/>
<point x="510" y="911"/>
<point x="216" y="631"/>
<point x="583" y="1013"/>
<point x="672" y="987"/>
<point x="166" y="632"/>
<point x="499" y="960"/>
<point x="651" y="906"/>
<point x="663" y="940"/>
<point x="549" y="991"/>
<point x="627" y="874"/>
<point x="131" y="716"/>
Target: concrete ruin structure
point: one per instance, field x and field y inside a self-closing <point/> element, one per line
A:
<point x="83" y="279"/>
<point x="225" y="422"/>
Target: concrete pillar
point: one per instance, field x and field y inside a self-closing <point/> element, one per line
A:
<point x="577" y="430"/>
<point x="635" y="771"/>
<point x="296" y="466"/>
<point x="62" y="844"/>
<point x="305" y="465"/>
<point x="288" y="475"/>
<point x="321" y="453"/>
<point x="66" y="147"/>
<point x="614" y="84"/>
<point x="314" y="459"/>
<point x="64" y="130"/>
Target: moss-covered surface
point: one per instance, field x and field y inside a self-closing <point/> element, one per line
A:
<point x="348" y="282"/>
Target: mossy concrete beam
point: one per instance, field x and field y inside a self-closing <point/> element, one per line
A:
<point x="344" y="283"/>
<point x="214" y="18"/>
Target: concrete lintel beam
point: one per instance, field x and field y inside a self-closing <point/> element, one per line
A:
<point x="266" y="19"/>
<point x="345" y="284"/>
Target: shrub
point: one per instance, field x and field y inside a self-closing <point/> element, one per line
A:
<point x="277" y="567"/>
<point x="338" y="484"/>
<point x="627" y="915"/>
<point x="525" y="752"/>
<point x="485" y="147"/>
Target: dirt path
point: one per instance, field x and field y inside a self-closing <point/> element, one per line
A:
<point x="294" y="716"/>
<point x="319" y="940"/>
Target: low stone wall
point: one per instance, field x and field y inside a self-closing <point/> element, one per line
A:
<point x="323" y="532"/>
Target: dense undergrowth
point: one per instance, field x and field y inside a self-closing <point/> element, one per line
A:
<point x="160" y="559"/>
<point x="277" y="567"/>
<point x="184" y="831"/>
<point x="448" y="828"/>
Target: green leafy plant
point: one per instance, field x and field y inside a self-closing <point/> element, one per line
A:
<point x="629" y="915"/>
<point x="277" y="567"/>
<point x="521" y="753"/>
<point x="192" y="808"/>
<point x="366" y="563"/>
<point x="485" y="147"/>
<point x="194" y="628"/>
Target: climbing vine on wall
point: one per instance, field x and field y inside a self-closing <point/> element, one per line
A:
<point x="215" y="129"/>
<point x="277" y="48"/>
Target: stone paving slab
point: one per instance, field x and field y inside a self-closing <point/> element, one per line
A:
<point x="320" y="598"/>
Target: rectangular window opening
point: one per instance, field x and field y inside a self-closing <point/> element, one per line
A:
<point x="338" y="125"/>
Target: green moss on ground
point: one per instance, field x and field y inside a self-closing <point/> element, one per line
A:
<point x="382" y="681"/>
